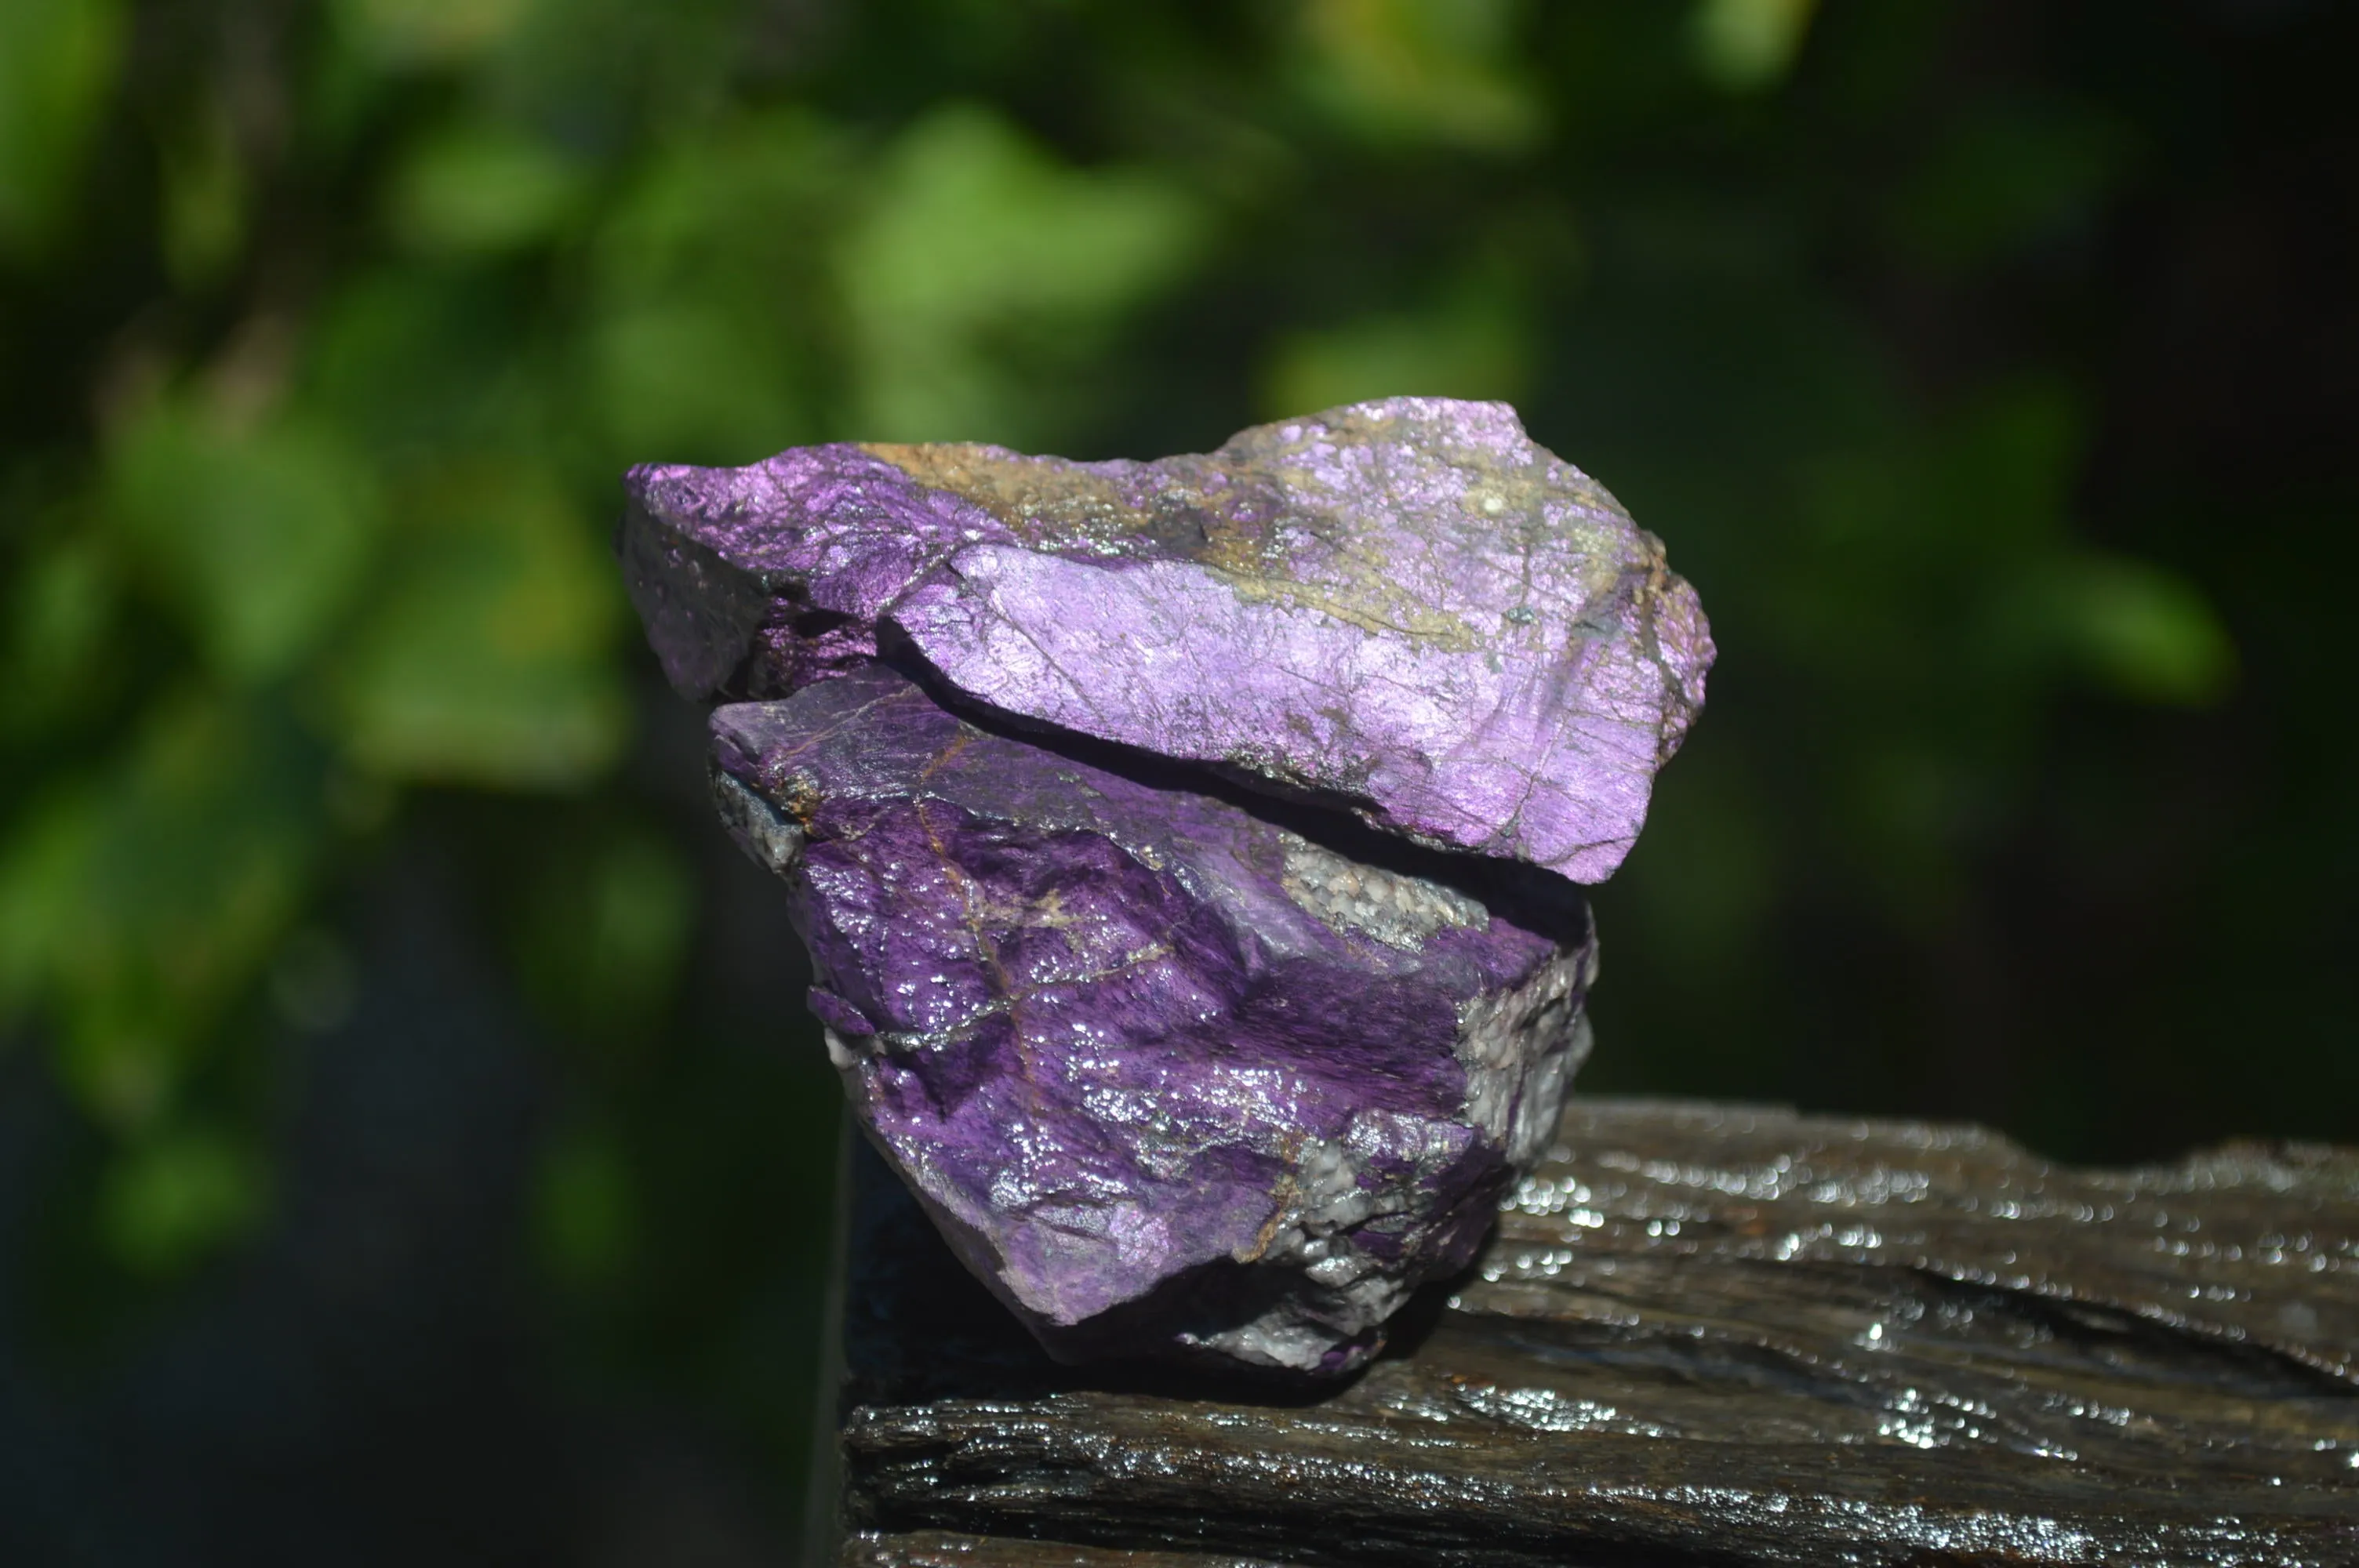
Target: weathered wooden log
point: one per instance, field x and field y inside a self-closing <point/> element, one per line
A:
<point x="1701" y="1335"/>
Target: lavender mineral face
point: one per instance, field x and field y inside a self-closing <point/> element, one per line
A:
<point x="1405" y="609"/>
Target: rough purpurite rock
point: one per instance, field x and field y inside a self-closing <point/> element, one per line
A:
<point x="1165" y="1073"/>
<point x="1404" y="608"/>
<point x="1185" y="848"/>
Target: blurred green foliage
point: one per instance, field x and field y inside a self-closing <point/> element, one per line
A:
<point x="329" y="329"/>
<point x="58" y="61"/>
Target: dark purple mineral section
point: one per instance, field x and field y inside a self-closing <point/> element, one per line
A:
<point x="1183" y="846"/>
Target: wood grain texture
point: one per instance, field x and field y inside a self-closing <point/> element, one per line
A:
<point x="945" y="1549"/>
<point x="1701" y="1335"/>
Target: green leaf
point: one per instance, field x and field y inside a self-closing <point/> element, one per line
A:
<point x="489" y="659"/>
<point x="986" y="268"/>
<point x="710" y="293"/>
<point x="2145" y="633"/>
<point x="171" y="1200"/>
<point x="58" y="61"/>
<point x="53" y="632"/>
<point x="396" y="33"/>
<point x="138" y="904"/>
<point x="484" y="190"/>
<point x="689" y="380"/>
<point x="410" y="361"/>
<point x="204" y="190"/>
<point x="1421" y="71"/>
<point x="43" y="864"/>
<point x="586" y="1210"/>
<point x="1743" y="45"/>
<point x="259" y="536"/>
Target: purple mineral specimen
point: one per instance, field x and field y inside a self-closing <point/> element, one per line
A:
<point x="1182" y="846"/>
<point x="1171" y="1074"/>
<point x="1404" y="608"/>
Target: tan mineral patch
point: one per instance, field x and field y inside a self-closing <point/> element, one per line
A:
<point x="1347" y="896"/>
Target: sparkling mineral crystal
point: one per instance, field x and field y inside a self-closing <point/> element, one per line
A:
<point x="1168" y="1073"/>
<point x="1404" y="608"/>
<point x="1185" y="848"/>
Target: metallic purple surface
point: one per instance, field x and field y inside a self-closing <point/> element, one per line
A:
<point x="1404" y="608"/>
<point x="1172" y="1076"/>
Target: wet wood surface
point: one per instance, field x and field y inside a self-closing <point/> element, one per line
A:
<point x="1699" y="1336"/>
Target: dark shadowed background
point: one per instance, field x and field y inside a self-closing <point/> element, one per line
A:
<point x="412" y="1146"/>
